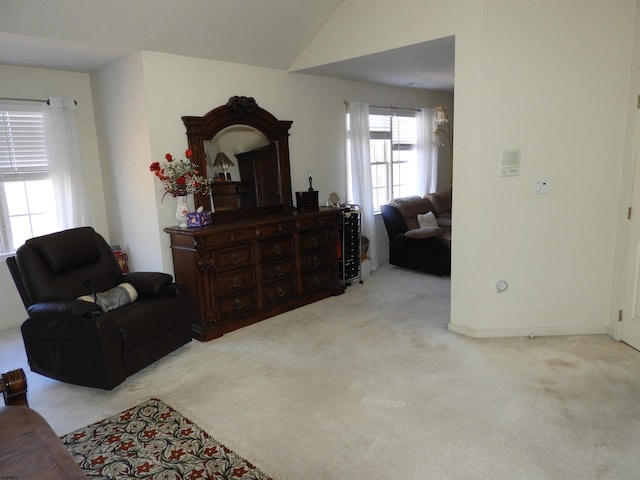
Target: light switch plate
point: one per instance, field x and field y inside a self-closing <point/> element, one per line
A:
<point x="509" y="162"/>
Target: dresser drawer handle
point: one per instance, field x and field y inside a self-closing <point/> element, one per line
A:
<point x="279" y="271"/>
<point x="239" y="304"/>
<point x="316" y="281"/>
<point x="281" y="292"/>
<point x="314" y="241"/>
<point x="234" y="259"/>
<point x="278" y="250"/>
<point x="204" y="263"/>
<point x="316" y="261"/>
<point x="236" y="282"/>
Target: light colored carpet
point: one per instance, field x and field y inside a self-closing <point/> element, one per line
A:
<point x="372" y="385"/>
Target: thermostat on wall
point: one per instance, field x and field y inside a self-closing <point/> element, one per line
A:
<point x="509" y="162"/>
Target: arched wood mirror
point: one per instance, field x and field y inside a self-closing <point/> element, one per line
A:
<point x="253" y="177"/>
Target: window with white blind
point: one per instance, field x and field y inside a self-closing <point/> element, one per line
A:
<point x="27" y="201"/>
<point x="394" y="166"/>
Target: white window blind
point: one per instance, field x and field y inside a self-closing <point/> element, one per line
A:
<point x="23" y="152"/>
<point x="27" y="200"/>
<point x="393" y="138"/>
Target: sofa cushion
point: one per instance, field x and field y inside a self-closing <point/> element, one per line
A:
<point x="146" y="319"/>
<point x="441" y="203"/>
<point x="424" y="232"/>
<point x="410" y="207"/>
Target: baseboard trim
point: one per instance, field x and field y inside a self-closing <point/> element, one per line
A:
<point x="528" y="332"/>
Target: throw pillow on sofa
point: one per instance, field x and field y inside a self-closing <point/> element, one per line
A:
<point x="427" y="220"/>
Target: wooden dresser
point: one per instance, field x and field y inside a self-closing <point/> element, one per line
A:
<point x="242" y="272"/>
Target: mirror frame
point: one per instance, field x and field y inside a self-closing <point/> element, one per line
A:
<point x="241" y="111"/>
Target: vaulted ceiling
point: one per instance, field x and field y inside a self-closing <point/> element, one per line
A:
<point x="82" y="35"/>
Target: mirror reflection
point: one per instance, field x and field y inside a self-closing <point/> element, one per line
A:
<point x="244" y="152"/>
<point x="233" y="181"/>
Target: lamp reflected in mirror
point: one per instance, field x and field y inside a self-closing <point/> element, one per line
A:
<point x="223" y="162"/>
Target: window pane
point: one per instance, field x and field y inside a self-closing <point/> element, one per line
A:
<point x="40" y="195"/>
<point x="20" y="230"/>
<point x="43" y="223"/>
<point x="378" y="150"/>
<point x="16" y="196"/>
<point x="31" y="210"/>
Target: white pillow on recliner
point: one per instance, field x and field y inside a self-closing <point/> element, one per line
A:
<point x="114" y="298"/>
<point x="427" y="220"/>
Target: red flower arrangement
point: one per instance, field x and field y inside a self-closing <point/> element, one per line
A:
<point x="180" y="177"/>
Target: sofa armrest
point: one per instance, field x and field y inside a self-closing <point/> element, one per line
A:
<point x="148" y="284"/>
<point x="393" y="221"/>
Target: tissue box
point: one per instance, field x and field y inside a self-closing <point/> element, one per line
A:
<point x="195" y="219"/>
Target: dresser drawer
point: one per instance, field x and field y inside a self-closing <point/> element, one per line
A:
<point x="273" y="271"/>
<point x="229" y="238"/>
<point x="282" y="247"/>
<point x="315" y="260"/>
<point x="233" y="257"/>
<point x="279" y="291"/>
<point x="314" y="239"/>
<point x="240" y="303"/>
<point x="317" y="222"/>
<point x="235" y="280"/>
<point x="287" y="228"/>
<point x="316" y="281"/>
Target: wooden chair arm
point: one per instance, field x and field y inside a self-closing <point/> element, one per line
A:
<point x="13" y="385"/>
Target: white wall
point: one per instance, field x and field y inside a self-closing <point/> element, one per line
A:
<point x="175" y="86"/>
<point x="549" y="78"/>
<point x="35" y="83"/>
<point x="123" y="126"/>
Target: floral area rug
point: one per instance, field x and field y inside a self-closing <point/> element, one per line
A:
<point x="153" y="441"/>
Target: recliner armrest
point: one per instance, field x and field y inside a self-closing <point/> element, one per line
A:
<point x="75" y="308"/>
<point x="148" y="284"/>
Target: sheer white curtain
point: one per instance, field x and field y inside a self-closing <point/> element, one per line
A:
<point x="65" y="164"/>
<point x="427" y="151"/>
<point x="359" y="165"/>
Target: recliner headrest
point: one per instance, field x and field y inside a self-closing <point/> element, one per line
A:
<point x="68" y="249"/>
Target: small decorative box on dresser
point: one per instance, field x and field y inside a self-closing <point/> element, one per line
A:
<point x="241" y="273"/>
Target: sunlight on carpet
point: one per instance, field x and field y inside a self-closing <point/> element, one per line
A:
<point x="154" y="441"/>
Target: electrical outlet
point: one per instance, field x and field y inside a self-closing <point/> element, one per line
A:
<point x="540" y="187"/>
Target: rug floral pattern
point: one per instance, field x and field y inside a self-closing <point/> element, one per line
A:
<point x="155" y="442"/>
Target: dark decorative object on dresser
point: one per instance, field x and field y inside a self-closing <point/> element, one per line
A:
<point x="264" y="257"/>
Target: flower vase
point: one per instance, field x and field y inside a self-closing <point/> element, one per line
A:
<point x="181" y="211"/>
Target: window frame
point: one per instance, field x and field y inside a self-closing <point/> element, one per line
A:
<point x="393" y="165"/>
<point x="23" y="158"/>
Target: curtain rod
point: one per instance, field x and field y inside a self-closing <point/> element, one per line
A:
<point x="31" y="100"/>
<point x="391" y="107"/>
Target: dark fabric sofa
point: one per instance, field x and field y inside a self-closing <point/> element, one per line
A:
<point x="77" y="341"/>
<point x="426" y="249"/>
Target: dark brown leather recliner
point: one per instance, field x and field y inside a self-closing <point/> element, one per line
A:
<point x="76" y="341"/>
